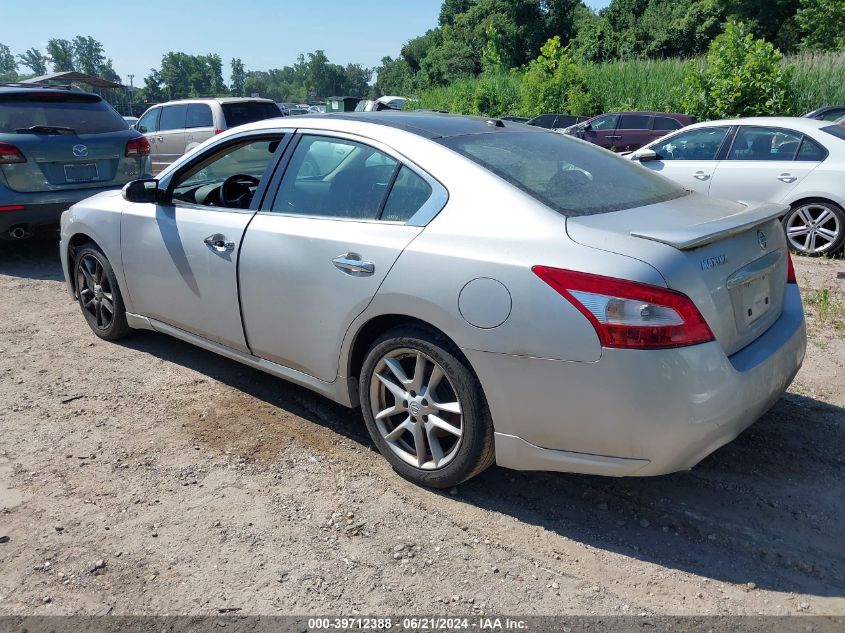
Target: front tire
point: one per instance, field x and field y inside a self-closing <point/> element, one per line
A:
<point x="424" y="408"/>
<point x="98" y="294"/>
<point x="815" y="227"/>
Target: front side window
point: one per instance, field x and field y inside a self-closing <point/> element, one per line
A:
<point x="606" y="122"/>
<point x="199" y="115"/>
<point x="332" y="177"/>
<point x="149" y="122"/>
<point x="172" y="118"/>
<point x="633" y="122"/>
<point x="573" y="178"/>
<point x="700" y="144"/>
<point x="227" y="177"/>
<point x="762" y="143"/>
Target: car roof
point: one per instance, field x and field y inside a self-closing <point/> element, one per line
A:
<point x="216" y="100"/>
<point x="430" y="125"/>
<point x="646" y="113"/>
<point x="16" y="88"/>
<point x="794" y="122"/>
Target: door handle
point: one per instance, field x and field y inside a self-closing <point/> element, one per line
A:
<point x="787" y="178"/>
<point x="352" y="264"/>
<point x="700" y="175"/>
<point x="609" y="136"/>
<point x="219" y="243"/>
<point x="160" y="139"/>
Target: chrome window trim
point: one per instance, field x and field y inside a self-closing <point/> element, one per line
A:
<point x="426" y="213"/>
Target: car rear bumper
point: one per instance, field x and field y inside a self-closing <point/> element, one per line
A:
<point x="42" y="210"/>
<point x="637" y="412"/>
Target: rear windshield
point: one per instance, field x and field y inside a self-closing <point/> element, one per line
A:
<point x="837" y="130"/>
<point x="249" y="111"/>
<point x="570" y="176"/>
<point x="51" y="112"/>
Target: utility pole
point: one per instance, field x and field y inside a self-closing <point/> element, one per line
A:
<point x="131" y="91"/>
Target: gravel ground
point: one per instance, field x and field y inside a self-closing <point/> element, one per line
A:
<point x="151" y="477"/>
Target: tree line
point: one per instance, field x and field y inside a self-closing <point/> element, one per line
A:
<point x="477" y="36"/>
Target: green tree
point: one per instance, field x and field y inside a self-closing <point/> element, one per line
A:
<point x="153" y="92"/>
<point x="88" y="55"/>
<point x="394" y="77"/>
<point x="238" y="78"/>
<point x="555" y="83"/>
<point x="742" y="76"/>
<point x="60" y="53"/>
<point x="823" y="24"/>
<point x="356" y="80"/>
<point x="8" y="65"/>
<point x="767" y="19"/>
<point x="35" y="60"/>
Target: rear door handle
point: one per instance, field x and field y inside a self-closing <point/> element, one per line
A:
<point x="352" y="264"/>
<point x="787" y="178"/>
<point x="219" y="243"/>
<point x="609" y="136"/>
<point x="701" y="175"/>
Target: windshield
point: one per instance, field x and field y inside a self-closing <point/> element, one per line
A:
<point x="55" y="112"/>
<point x="248" y="111"/>
<point x="572" y="177"/>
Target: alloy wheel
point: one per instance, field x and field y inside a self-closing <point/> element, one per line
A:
<point x="95" y="291"/>
<point x="813" y="228"/>
<point x="416" y="409"/>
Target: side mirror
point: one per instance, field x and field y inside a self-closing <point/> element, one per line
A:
<point x="644" y="155"/>
<point x="141" y="191"/>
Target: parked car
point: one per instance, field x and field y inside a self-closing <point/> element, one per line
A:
<point x="58" y="146"/>
<point x="484" y="291"/>
<point x="627" y="131"/>
<point x="130" y="120"/>
<point x="319" y="108"/>
<point x="556" y="121"/>
<point x="382" y="103"/>
<point x="514" y="119"/>
<point x="799" y="162"/>
<point x="176" y="127"/>
<point x="827" y="113"/>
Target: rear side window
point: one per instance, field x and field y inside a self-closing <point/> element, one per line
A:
<point x="811" y="151"/>
<point x="633" y="122"/>
<point x="243" y="112"/>
<point x="665" y="123"/>
<point x="173" y="118"/>
<point x="34" y="112"/>
<point x="571" y="177"/>
<point x="409" y="193"/>
<point x="199" y="115"/>
<point x="763" y="143"/>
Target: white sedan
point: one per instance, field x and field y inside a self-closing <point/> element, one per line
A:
<point x="797" y="161"/>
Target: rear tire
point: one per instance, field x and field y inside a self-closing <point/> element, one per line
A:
<point x="424" y="408"/>
<point x="98" y="294"/>
<point x="815" y="227"/>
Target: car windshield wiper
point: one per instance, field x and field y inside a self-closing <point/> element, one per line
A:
<point x="46" y="129"/>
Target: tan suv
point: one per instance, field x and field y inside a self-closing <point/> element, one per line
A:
<point x="176" y="127"/>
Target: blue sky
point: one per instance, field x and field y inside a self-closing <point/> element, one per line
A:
<point x="263" y="33"/>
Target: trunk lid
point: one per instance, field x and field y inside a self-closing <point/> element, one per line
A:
<point x="729" y="258"/>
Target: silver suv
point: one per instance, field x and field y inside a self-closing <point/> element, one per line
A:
<point x="175" y="127"/>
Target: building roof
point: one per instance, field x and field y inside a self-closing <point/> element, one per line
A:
<point x="72" y="75"/>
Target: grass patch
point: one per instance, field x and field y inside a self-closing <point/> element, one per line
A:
<point x="828" y="308"/>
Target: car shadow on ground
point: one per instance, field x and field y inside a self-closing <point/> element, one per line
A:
<point x="767" y="509"/>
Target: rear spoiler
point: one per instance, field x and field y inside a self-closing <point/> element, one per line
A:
<point x="696" y="235"/>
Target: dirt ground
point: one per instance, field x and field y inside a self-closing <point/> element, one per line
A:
<point x="151" y="477"/>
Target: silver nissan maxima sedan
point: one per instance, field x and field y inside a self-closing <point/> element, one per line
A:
<point x="485" y="292"/>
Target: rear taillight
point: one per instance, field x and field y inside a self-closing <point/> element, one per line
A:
<point x="9" y="154"/>
<point x="790" y="270"/>
<point x="12" y="207"/>
<point x="137" y="147"/>
<point x="628" y="314"/>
